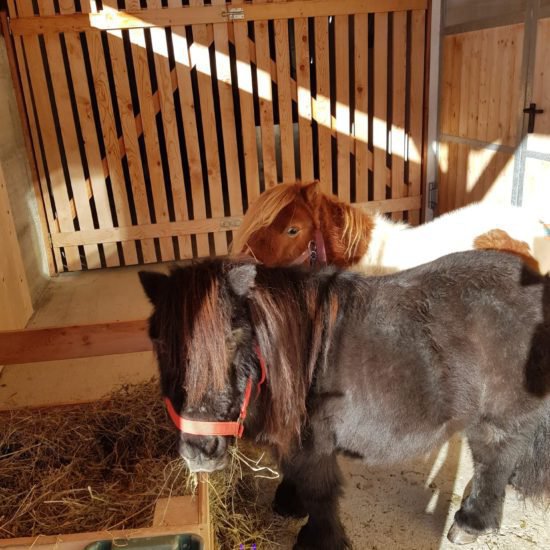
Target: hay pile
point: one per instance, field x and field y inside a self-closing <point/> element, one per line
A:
<point x="102" y="466"/>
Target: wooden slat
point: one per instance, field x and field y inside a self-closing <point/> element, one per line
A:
<point x="322" y="112"/>
<point x="303" y="81"/>
<point x="229" y="130"/>
<point x="198" y="227"/>
<point x="147" y="114"/>
<point x="67" y="127"/>
<point x="418" y="41"/>
<point x="246" y="99"/>
<point x="343" y="142"/>
<point x="380" y="104"/>
<point x="187" y="102"/>
<point x="263" y="65"/>
<point x="45" y="213"/>
<point x="89" y="135"/>
<point x="110" y="141"/>
<point x="462" y="159"/>
<point x="171" y="137"/>
<point x="59" y="343"/>
<point x="457" y="56"/>
<point x="130" y="138"/>
<point x="474" y="68"/>
<point x="200" y="58"/>
<point x="284" y="100"/>
<point x="495" y="87"/>
<point x="444" y="122"/>
<point x="361" y="115"/>
<point x="46" y="125"/>
<point x="515" y="104"/>
<point x="195" y="15"/>
<point x="398" y="94"/>
<point x="485" y="63"/>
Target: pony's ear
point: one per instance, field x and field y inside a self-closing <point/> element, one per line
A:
<point x="311" y="192"/>
<point x="153" y="284"/>
<point x="241" y="279"/>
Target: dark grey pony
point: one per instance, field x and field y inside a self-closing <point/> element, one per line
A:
<point x="383" y="368"/>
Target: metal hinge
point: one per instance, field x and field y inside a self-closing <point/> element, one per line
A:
<point x="432" y="195"/>
<point x="233" y="14"/>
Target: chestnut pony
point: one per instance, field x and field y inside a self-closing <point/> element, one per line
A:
<point x="321" y="362"/>
<point x="289" y="220"/>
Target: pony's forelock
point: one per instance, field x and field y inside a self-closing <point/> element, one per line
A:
<point x="205" y="329"/>
<point x="262" y="213"/>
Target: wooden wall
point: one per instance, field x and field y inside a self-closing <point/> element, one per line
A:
<point x="480" y="101"/>
<point x="153" y="128"/>
<point x="15" y="298"/>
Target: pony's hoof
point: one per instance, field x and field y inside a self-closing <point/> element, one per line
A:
<point x="457" y="535"/>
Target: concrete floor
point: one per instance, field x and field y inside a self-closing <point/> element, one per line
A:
<point x="412" y="507"/>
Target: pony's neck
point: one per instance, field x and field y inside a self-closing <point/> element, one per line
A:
<point x="346" y="231"/>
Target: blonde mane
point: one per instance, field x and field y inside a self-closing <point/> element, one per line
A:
<point x="262" y="212"/>
<point x="357" y="226"/>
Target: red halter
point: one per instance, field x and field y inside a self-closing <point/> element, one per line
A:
<point x="205" y="427"/>
<point x="315" y="252"/>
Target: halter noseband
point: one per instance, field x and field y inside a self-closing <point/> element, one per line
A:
<point x="205" y="427"/>
<point x="315" y="252"/>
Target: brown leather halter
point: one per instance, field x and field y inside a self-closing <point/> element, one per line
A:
<point x="314" y="253"/>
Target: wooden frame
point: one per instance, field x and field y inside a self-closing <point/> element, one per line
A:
<point x="200" y="15"/>
<point x="173" y="516"/>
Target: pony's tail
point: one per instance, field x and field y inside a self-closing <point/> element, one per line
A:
<point x="531" y="476"/>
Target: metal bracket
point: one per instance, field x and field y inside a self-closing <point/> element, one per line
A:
<point x="432" y="195"/>
<point x="233" y="14"/>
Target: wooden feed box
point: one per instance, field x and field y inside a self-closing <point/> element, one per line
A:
<point x="174" y="516"/>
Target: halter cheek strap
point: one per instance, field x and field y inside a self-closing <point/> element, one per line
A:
<point x="315" y="252"/>
<point x="204" y="427"/>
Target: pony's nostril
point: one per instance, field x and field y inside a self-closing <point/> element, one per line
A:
<point x="187" y="450"/>
<point x="211" y="446"/>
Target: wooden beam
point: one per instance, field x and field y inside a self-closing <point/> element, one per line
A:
<point x="197" y="227"/>
<point x="197" y="15"/>
<point x="58" y="343"/>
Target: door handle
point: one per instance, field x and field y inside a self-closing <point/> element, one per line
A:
<point x="532" y="111"/>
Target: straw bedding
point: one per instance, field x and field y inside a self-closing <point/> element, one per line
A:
<point x="103" y="465"/>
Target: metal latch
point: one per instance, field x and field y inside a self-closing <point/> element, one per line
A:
<point x="233" y="14"/>
<point x="432" y="195"/>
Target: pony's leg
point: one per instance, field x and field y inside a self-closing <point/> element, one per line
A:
<point x="287" y="503"/>
<point x="318" y="481"/>
<point x="481" y="511"/>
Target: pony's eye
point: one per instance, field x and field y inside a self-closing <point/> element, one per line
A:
<point x="292" y="231"/>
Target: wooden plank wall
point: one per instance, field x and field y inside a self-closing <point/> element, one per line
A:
<point x="479" y="100"/>
<point x="15" y="300"/>
<point x="151" y="141"/>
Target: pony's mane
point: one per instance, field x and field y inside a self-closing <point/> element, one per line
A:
<point x="262" y="212"/>
<point x="293" y="318"/>
<point x="350" y="228"/>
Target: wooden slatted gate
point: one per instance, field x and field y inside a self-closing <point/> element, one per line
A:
<point x="154" y="124"/>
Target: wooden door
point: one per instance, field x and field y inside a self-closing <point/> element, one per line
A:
<point x="492" y="69"/>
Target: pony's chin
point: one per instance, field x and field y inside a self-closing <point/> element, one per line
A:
<point x="207" y="466"/>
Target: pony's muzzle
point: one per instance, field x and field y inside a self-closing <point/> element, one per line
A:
<point x="204" y="453"/>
